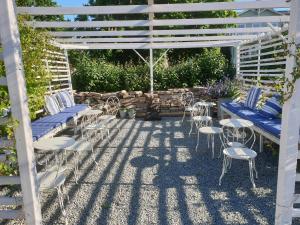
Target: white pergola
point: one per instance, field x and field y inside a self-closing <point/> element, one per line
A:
<point x="160" y="34"/>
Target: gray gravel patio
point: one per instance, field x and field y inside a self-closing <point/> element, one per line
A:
<point x="150" y="173"/>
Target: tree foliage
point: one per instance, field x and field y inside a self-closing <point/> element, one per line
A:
<point x="99" y="75"/>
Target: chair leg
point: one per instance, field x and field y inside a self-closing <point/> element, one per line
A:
<point x="213" y="145"/>
<point x="197" y="139"/>
<point x="261" y="143"/>
<point x="76" y="154"/>
<point x="224" y="169"/>
<point x="61" y="203"/>
<point x="254" y="167"/>
<point x="192" y="124"/>
<point x="183" y="116"/>
<point x="251" y="172"/>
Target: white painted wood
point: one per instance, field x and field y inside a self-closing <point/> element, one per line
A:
<point x="3" y="81"/>
<point x="15" y="201"/>
<point x="262" y="54"/>
<point x="263" y="64"/>
<point x="12" y="53"/>
<point x="153" y="46"/>
<point x="295" y="212"/>
<point x="163" y="22"/>
<point x="151" y="70"/>
<point x="12" y="214"/>
<point x="255" y="30"/>
<point x="158" y="8"/>
<point x="9" y="180"/>
<point x="238" y="61"/>
<point x="263" y="75"/>
<point x="160" y="39"/>
<point x="289" y="134"/>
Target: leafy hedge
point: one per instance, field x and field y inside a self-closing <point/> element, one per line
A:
<point x="100" y="76"/>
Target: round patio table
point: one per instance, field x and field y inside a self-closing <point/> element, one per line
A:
<point x="236" y="123"/>
<point x="55" y="144"/>
<point x="92" y="112"/>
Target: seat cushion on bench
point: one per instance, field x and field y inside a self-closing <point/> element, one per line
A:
<point x="58" y="119"/>
<point x="41" y="129"/>
<point x="272" y="126"/>
<point x="75" y="109"/>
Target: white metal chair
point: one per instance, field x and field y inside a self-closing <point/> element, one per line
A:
<point x="53" y="179"/>
<point x="235" y="142"/>
<point x="187" y="100"/>
<point x="89" y="137"/>
<point x="112" y="107"/>
<point x="210" y="131"/>
<point x="199" y="115"/>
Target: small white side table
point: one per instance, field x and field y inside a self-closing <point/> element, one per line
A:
<point x="211" y="132"/>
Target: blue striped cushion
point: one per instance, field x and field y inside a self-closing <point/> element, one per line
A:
<point x="51" y="105"/>
<point x="272" y="108"/>
<point x="66" y="99"/>
<point x="252" y="97"/>
<point x="60" y="102"/>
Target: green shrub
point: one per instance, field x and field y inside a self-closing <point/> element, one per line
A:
<point x="101" y="76"/>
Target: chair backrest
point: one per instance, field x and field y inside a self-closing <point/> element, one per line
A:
<point x="244" y="135"/>
<point x="202" y="110"/>
<point x="187" y="99"/>
<point x="112" y="105"/>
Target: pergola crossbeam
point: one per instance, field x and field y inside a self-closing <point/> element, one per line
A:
<point x="156" y="8"/>
<point x="246" y="31"/>
<point x="161" y="22"/>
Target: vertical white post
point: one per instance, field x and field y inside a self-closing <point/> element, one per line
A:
<point x="289" y="132"/>
<point x="151" y="70"/>
<point x="237" y="61"/>
<point x="151" y="18"/>
<point x="258" y="62"/>
<point x="10" y="39"/>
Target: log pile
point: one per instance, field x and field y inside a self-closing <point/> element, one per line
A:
<point x="165" y="103"/>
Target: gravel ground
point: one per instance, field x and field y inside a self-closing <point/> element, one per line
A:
<point x="150" y="173"/>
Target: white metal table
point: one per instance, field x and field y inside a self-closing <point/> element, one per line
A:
<point x="236" y="123"/>
<point x="55" y="144"/>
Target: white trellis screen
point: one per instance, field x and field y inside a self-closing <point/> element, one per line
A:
<point x="262" y="62"/>
<point x="58" y="65"/>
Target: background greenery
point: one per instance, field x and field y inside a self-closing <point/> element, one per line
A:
<point x="99" y="75"/>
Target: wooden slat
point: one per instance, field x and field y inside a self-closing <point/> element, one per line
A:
<point x="15" y="201"/>
<point x="155" y="39"/>
<point x="3" y="81"/>
<point x="12" y="214"/>
<point x="9" y="180"/>
<point x="254" y="30"/>
<point x="155" y="8"/>
<point x="295" y="212"/>
<point x="163" y="22"/>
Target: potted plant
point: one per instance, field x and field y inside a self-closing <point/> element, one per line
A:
<point x="131" y="113"/>
<point x="123" y="112"/>
<point x="223" y="90"/>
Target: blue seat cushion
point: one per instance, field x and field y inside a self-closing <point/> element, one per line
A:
<point x="58" y="119"/>
<point x="41" y="129"/>
<point x="75" y="109"/>
<point x="272" y="126"/>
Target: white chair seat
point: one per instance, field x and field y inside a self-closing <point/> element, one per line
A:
<point x="202" y="118"/>
<point x="50" y="179"/>
<point x="80" y="146"/>
<point x="240" y="153"/>
<point x="211" y="130"/>
<point x="235" y="144"/>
